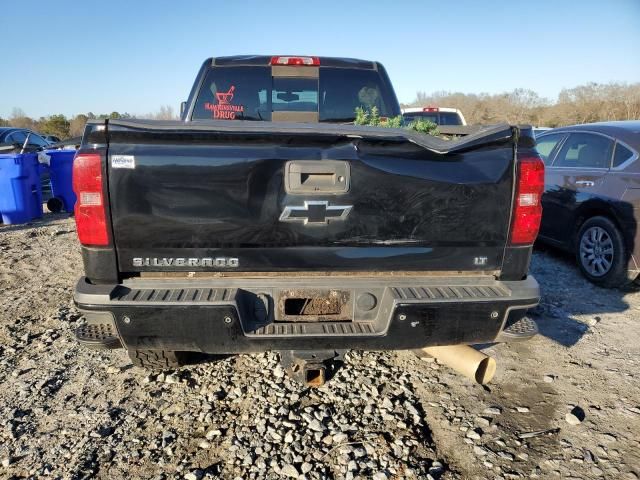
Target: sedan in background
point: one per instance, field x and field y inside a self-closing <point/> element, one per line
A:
<point x="537" y="131"/>
<point x="21" y="137"/>
<point x="591" y="203"/>
<point x="52" y="139"/>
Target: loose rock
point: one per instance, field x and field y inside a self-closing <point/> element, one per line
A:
<point x="289" y="470"/>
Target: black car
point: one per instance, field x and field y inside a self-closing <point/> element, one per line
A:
<point x="18" y="137"/>
<point x="591" y="202"/>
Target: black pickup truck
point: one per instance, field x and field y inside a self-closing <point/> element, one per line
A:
<point x="266" y="220"/>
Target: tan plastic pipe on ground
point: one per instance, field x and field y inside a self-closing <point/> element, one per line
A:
<point x="465" y="360"/>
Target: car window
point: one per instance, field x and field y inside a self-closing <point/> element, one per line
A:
<point x="585" y="150"/>
<point x="342" y="90"/>
<point x="17" y="137"/>
<point x="450" y="118"/>
<point x="251" y="93"/>
<point x="621" y="155"/>
<point x="427" y="117"/>
<point x="35" y="139"/>
<point x="235" y="93"/>
<point x="546" y="146"/>
<point x="294" y="94"/>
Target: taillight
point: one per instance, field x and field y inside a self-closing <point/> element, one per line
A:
<point x="527" y="212"/>
<point x="91" y="220"/>
<point x="296" y="61"/>
<point x="430" y="109"/>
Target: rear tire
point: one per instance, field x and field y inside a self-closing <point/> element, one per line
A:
<point x="601" y="253"/>
<point x="158" y="359"/>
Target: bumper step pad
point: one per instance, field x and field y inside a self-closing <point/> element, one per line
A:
<point x="100" y="336"/>
<point x="237" y="315"/>
<point x="522" y="329"/>
<point x="323" y="329"/>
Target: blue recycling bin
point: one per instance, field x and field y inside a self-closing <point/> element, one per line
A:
<point x="60" y="172"/>
<point x="20" y="190"/>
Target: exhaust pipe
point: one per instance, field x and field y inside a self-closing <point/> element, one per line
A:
<point x="465" y="360"/>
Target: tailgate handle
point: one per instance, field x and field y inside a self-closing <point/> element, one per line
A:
<point x="316" y="176"/>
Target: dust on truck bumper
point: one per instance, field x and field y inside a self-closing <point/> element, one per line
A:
<point x="224" y="315"/>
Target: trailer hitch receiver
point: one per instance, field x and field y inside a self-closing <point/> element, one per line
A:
<point x="311" y="368"/>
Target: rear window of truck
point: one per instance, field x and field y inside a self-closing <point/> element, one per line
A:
<point x="251" y="93"/>
<point x="439" y="118"/>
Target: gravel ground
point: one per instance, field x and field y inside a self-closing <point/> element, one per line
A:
<point x="564" y="405"/>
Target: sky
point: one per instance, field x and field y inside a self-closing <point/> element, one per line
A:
<point x="134" y="56"/>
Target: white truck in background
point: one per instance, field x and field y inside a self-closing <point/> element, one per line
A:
<point x="437" y="115"/>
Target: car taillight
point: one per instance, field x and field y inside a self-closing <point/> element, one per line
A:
<point x="91" y="220"/>
<point x="527" y="212"/>
<point x="296" y="61"/>
<point x="430" y="109"/>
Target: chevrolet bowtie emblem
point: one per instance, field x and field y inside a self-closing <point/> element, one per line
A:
<point x="315" y="212"/>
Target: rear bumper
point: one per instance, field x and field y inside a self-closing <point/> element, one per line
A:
<point x="234" y="315"/>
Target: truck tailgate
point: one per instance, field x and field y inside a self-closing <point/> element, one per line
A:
<point x="270" y="197"/>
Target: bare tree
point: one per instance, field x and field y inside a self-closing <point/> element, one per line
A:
<point x="591" y="102"/>
<point x="166" y="112"/>
<point x="19" y="119"/>
<point x="76" y="125"/>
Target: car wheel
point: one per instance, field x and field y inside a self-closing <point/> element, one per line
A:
<point x="601" y="253"/>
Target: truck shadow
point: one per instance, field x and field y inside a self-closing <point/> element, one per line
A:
<point x="570" y="305"/>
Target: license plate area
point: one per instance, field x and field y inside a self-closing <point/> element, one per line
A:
<point x="314" y="305"/>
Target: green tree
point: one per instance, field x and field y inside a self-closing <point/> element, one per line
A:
<point x="57" y="125"/>
<point x="113" y="115"/>
<point x="371" y="117"/>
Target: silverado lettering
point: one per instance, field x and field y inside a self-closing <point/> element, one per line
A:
<point x="185" y="262"/>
